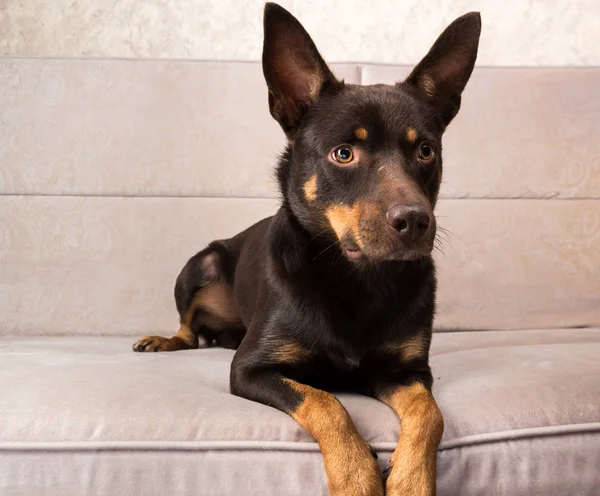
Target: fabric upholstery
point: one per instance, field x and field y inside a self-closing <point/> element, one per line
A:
<point x="97" y="154"/>
<point x="107" y="265"/>
<point x="505" y="396"/>
<point x="115" y="172"/>
<point x="520" y="133"/>
<point x="138" y="127"/>
<point x="177" y="128"/>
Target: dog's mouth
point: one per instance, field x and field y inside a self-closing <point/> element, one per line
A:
<point x="352" y="251"/>
<point x="369" y="240"/>
<point x="383" y="252"/>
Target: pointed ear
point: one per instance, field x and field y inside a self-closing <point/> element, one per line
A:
<point x="295" y="72"/>
<point x="444" y="72"/>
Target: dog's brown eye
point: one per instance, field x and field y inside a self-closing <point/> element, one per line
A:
<point x="343" y="155"/>
<point x="425" y="152"/>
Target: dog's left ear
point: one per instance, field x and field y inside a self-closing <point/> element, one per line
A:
<point x="444" y="72"/>
<point x="295" y="72"/>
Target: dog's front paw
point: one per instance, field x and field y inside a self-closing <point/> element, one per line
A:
<point x="154" y="343"/>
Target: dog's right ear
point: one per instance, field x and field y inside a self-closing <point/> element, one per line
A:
<point x="295" y="72"/>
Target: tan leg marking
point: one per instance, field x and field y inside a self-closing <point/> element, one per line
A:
<point x="408" y="350"/>
<point x="216" y="300"/>
<point x="289" y="352"/>
<point x="310" y="189"/>
<point x="414" y="459"/>
<point x="411" y="135"/>
<point x="350" y="466"/>
<point x="361" y="133"/>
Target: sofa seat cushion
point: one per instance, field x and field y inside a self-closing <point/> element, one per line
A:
<point x="86" y="415"/>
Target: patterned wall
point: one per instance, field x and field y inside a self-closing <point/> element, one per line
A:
<point x="516" y="32"/>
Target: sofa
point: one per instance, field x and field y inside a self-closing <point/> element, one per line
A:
<point x="114" y="172"/>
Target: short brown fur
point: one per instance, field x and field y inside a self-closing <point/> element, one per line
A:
<point x="350" y="467"/>
<point x="220" y="312"/>
<point x="320" y="312"/>
<point x="218" y="301"/>
<point x="185" y="339"/>
<point x="290" y="352"/>
<point x="344" y="219"/>
<point x="414" y="459"/>
<point x="361" y="133"/>
<point x="310" y="189"/>
<point x="411" y="135"/>
<point x="408" y="350"/>
<point x="428" y="86"/>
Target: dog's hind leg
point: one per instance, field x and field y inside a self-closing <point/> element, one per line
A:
<point x="207" y="309"/>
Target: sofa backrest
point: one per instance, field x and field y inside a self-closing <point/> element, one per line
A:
<point x="114" y="172"/>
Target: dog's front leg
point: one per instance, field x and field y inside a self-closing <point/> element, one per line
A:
<point x="413" y="463"/>
<point x="349" y="462"/>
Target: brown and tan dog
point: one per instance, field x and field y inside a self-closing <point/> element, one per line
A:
<point x="336" y="291"/>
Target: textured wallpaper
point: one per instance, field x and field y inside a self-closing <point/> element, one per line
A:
<point x="516" y="32"/>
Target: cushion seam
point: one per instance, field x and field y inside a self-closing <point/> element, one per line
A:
<point x="477" y="439"/>
<point x="521" y="434"/>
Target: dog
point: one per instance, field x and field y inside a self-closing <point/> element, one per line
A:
<point x="336" y="291"/>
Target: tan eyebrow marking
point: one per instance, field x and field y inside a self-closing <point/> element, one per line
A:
<point x="411" y="135"/>
<point x="361" y="133"/>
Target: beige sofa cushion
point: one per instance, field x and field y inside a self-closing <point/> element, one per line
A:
<point x="520" y="133"/>
<point x="177" y="128"/>
<point x="86" y="415"/>
<point x="107" y="265"/>
<point x="115" y="172"/>
<point x="138" y="127"/>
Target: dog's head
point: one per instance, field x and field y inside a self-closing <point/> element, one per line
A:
<point x="364" y="164"/>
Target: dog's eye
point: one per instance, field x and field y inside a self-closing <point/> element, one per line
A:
<point x="426" y="152"/>
<point x="343" y="154"/>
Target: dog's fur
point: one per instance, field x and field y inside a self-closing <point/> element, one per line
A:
<point x="336" y="291"/>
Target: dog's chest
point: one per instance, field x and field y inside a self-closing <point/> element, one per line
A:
<point x="353" y="331"/>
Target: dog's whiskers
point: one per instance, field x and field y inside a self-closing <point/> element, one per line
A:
<point x="448" y="231"/>
<point x="324" y="250"/>
<point x="318" y="234"/>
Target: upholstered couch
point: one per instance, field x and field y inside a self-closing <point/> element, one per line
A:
<point x="112" y="173"/>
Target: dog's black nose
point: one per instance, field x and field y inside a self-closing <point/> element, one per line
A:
<point x="410" y="221"/>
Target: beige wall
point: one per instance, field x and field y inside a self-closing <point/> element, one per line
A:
<point x="516" y="32"/>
